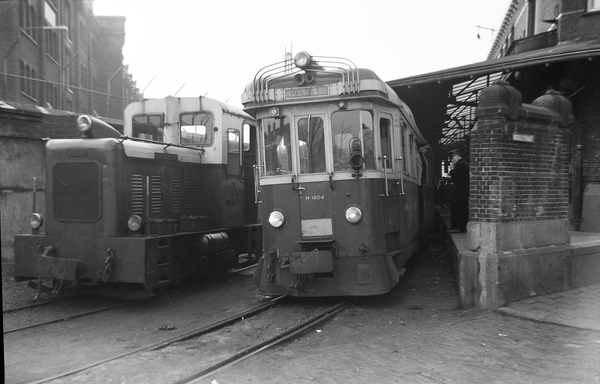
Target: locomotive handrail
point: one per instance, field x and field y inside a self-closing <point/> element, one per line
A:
<point x="384" y="161"/>
<point x="255" y="169"/>
<point x="400" y="159"/>
<point x="165" y="145"/>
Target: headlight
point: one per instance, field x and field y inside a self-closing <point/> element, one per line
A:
<point x="135" y="223"/>
<point x="302" y="59"/>
<point x="36" y="220"/>
<point x="84" y="123"/>
<point x="276" y="219"/>
<point x="353" y="215"/>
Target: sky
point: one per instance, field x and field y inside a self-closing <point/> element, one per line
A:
<point x="214" y="48"/>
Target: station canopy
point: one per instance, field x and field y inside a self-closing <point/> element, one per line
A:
<point x="444" y="102"/>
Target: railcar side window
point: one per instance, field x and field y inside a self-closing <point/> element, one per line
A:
<point x="386" y="142"/>
<point x="233" y="140"/>
<point x="404" y="159"/>
<point x="148" y="127"/>
<point x="311" y="145"/>
<point x="411" y="149"/>
<point x="346" y="129"/>
<point x="277" y="142"/>
<point x="197" y="128"/>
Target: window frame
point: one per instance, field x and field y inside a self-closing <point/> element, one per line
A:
<point x="210" y="132"/>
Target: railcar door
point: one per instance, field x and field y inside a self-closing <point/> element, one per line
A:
<point x="249" y="160"/>
<point x="389" y="193"/>
<point x="313" y="184"/>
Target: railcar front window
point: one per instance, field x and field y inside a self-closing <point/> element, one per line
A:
<point x="148" y="127"/>
<point x="346" y="128"/>
<point x="277" y="142"/>
<point x="311" y="145"/>
<point x="197" y="128"/>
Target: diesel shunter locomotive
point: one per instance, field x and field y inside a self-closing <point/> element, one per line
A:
<point x="129" y="215"/>
<point x="342" y="178"/>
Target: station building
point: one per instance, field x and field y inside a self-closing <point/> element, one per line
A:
<point x="57" y="54"/>
<point x="528" y="119"/>
<point x="58" y="60"/>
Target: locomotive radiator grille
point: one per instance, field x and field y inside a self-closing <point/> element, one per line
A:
<point x="156" y="193"/>
<point x="191" y="191"/>
<point x="137" y="194"/>
<point x="176" y="198"/>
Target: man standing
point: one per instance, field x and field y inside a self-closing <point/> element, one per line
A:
<point x="459" y="205"/>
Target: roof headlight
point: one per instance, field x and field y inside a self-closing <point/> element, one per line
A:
<point x="353" y="215"/>
<point x="84" y="123"/>
<point x="302" y="59"/>
<point x="36" y="221"/>
<point x="276" y="219"/>
<point x="135" y="223"/>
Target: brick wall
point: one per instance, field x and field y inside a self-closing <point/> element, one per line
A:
<point x="514" y="180"/>
<point x="576" y="23"/>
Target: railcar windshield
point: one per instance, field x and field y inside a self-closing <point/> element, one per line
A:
<point x="197" y="128"/>
<point x="278" y="146"/>
<point x="311" y="145"/>
<point x="348" y="127"/>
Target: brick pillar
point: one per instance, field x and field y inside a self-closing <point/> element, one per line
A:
<point x="519" y="195"/>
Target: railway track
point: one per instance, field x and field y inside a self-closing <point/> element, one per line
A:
<point x="32" y="305"/>
<point x="88" y="312"/>
<point x="190" y="334"/>
<point x="216" y="326"/>
<point x="271" y="342"/>
<point x="64" y="318"/>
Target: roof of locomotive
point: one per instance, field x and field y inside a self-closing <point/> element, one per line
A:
<point x="148" y="105"/>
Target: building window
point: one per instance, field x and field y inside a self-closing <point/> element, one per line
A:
<point x="52" y="44"/>
<point x="28" y="82"/>
<point x="28" y="20"/>
<point x="593" y="5"/>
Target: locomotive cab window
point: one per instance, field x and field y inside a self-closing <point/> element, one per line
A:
<point x="233" y="152"/>
<point x="351" y="133"/>
<point x="246" y="137"/>
<point x="148" y="127"/>
<point x="278" y="146"/>
<point x="197" y="128"/>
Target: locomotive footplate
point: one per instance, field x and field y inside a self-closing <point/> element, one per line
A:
<point x="57" y="268"/>
<point x="311" y="262"/>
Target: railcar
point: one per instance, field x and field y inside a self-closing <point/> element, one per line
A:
<point x="343" y="179"/>
<point x="127" y="215"/>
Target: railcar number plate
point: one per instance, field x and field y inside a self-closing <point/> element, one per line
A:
<point x="315" y="197"/>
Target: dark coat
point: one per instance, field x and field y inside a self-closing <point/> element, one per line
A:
<point x="460" y="178"/>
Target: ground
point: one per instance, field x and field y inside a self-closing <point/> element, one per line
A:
<point x="417" y="333"/>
